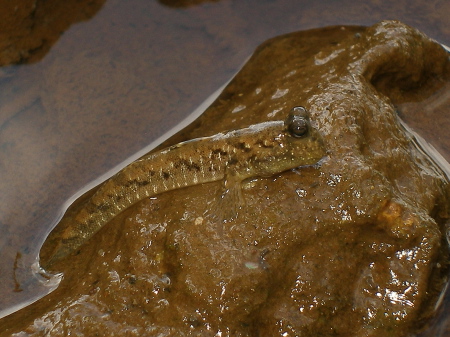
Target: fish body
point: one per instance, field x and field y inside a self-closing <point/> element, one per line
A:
<point x="259" y="150"/>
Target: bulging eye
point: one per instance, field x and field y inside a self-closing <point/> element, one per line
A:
<point x="297" y="122"/>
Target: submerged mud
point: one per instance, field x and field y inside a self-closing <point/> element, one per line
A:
<point x="354" y="246"/>
<point x="30" y="29"/>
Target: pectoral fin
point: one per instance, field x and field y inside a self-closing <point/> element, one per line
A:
<point x="225" y="208"/>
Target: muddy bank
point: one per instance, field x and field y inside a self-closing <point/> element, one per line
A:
<point x="353" y="246"/>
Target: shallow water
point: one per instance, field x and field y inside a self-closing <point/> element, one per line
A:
<point x="111" y="85"/>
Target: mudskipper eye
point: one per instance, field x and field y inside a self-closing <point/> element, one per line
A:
<point x="297" y="122"/>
